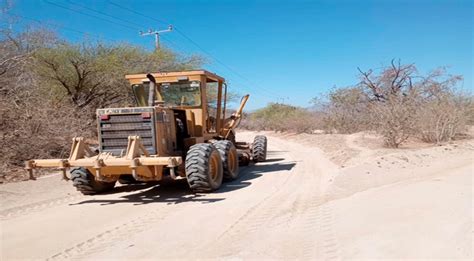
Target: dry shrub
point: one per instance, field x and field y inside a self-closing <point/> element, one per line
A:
<point x="280" y="117"/>
<point x="396" y="102"/>
<point x="404" y="103"/>
<point x="392" y="99"/>
<point x="441" y="119"/>
<point x="345" y="111"/>
<point x="394" y="119"/>
<point x="399" y="103"/>
<point x="33" y="127"/>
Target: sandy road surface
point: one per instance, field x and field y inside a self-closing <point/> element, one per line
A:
<point x="298" y="204"/>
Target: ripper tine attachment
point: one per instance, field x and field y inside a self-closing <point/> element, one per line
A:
<point x="79" y="149"/>
<point x="136" y="158"/>
<point x="134" y="147"/>
<point x="29" y="166"/>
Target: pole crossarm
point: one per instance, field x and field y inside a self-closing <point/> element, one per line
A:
<point x="157" y="33"/>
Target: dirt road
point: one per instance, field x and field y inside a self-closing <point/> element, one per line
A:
<point x="295" y="205"/>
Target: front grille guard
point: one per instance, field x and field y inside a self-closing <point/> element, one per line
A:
<point x="113" y="133"/>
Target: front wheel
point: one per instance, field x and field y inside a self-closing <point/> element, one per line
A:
<point x="204" y="170"/>
<point x="86" y="183"/>
<point x="259" y="148"/>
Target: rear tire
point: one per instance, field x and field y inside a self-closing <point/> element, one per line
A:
<point x="86" y="183"/>
<point x="259" y="148"/>
<point x="204" y="171"/>
<point x="229" y="157"/>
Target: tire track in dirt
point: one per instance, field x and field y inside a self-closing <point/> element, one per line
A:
<point x="311" y="215"/>
<point x="327" y="247"/>
<point x="299" y="214"/>
<point x="313" y="221"/>
<point x="295" y="209"/>
<point x="314" y="218"/>
<point x="37" y="206"/>
<point x="253" y="219"/>
<point x="120" y="233"/>
<point x="289" y="219"/>
<point x="112" y="236"/>
<point x="331" y="248"/>
<point x="321" y="242"/>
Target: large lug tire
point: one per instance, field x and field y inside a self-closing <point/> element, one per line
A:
<point x="204" y="170"/>
<point x="86" y="183"/>
<point x="229" y="157"/>
<point x="259" y="148"/>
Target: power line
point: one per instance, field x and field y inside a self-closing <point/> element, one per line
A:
<point x="222" y="63"/>
<point x="267" y="92"/>
<point x="197" y="45"/>
<point x="135" y="29"/>
<point x="62" y="27"/>
<point x="90" y="15"/>
<point x="135" y="12"/>
<point x="104" y="14"/>
<point x="174" y="44"/>
<point x="83" y="33"/>
<point x="177" y="30"/>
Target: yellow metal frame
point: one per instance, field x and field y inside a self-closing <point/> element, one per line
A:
<point x="136" y="160"/>
<point x="198" y="113"/>
<point x="107" y="167"/>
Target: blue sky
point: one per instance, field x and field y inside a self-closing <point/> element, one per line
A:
<point x="285" y="51"/>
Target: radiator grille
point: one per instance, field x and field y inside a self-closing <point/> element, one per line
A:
<point x="114" y="132"/>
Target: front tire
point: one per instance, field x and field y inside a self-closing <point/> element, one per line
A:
<point x="259" y="148"/>
<point x="204" y="170"/>
<point x="229" y="157"/>
<point x="86" y="183"/>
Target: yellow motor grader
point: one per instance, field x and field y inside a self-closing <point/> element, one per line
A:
<point x="178" y="129"/>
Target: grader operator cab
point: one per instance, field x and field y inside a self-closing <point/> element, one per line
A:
<point x="178" y="129"/>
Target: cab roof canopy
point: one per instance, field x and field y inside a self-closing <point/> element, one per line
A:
<point x="211" y="77"/>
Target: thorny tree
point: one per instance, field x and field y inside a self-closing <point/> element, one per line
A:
<point x="393" y="100"/>
<point x="404" y="103"/>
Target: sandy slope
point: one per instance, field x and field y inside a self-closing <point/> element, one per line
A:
<point x="346" y="200"/>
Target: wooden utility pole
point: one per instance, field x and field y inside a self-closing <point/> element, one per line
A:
<point x="157" y="35"/>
